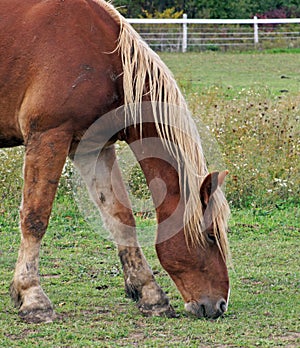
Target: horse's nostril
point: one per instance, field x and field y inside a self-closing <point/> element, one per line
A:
<point x="207" y="309"/>
<point x="222" y="306"/>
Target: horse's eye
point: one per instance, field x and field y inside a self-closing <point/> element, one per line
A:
<point x="211" y="238"/>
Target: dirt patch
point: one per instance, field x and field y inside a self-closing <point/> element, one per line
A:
<point x="21" y="335"/>
<point x="290" y="339"/>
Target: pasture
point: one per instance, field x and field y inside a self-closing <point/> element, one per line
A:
<point x="251" y="104"/>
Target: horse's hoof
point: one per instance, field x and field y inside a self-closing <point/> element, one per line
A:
<point x="156" y="310"/>
<point x="37" y="315"/>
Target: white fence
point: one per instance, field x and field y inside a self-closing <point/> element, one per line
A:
<point x="199" y="34"/>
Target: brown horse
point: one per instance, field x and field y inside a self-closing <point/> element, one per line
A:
<point x="75" y="77"/>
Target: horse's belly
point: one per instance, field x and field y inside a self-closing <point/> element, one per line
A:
<point x="12" y="141"/>
<point x="10" y="134"/>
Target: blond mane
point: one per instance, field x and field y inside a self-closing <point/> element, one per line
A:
<point x="143" y="66"/>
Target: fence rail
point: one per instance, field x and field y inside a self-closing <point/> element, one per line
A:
<point x="191" y="34"/>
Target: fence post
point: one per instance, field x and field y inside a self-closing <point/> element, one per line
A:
<point x="255" y="30"/>
<point x="184" y="34"/>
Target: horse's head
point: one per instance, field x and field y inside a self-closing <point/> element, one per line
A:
<point x="199" y="269"/>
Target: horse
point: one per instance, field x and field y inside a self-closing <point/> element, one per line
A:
<point x="76" y="78"/>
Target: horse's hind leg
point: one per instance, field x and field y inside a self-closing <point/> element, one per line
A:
<point x="44" y="159"/>
<point x="107" y="189"/>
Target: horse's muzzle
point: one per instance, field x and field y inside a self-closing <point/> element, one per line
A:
<point x="207" y="308"/>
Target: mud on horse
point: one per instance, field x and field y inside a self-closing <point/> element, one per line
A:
<point x="65" y="66"/>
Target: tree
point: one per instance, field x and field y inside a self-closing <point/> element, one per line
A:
<point x="209" y="8"/>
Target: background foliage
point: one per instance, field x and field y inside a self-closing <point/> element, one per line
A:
<point x="212" y="8"/>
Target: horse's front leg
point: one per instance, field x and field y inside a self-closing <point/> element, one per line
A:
<point x="44" y="159"/>
<point x="108" y="191"/>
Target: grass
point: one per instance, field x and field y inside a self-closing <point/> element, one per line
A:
<point x="81" y="274"/>
<point x="265" y="72"/>
<point x="240" y="97"/>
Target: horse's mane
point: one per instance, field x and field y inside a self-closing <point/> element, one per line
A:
<point x="141" y="65"/>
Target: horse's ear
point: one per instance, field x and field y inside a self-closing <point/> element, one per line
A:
<point x="210" y="184"/>
<point x="222" y="176"/>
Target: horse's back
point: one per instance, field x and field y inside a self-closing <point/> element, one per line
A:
<point x="55" y="65"/>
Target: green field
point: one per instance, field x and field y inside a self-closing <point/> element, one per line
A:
<point x="251" y="104"/>
<point x="265" y="72"/>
